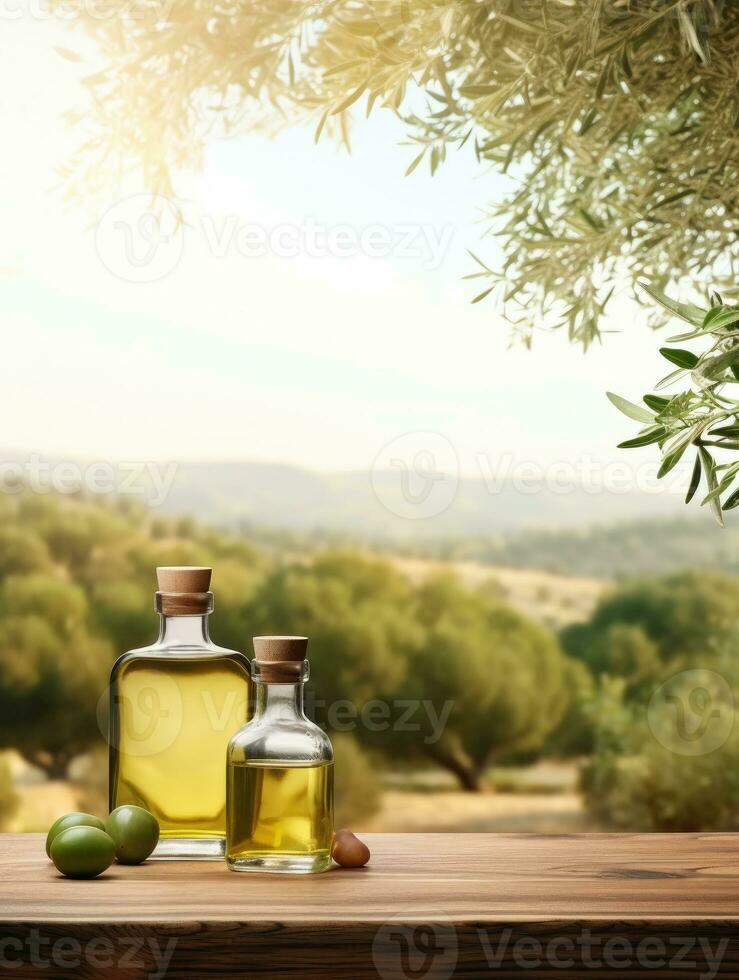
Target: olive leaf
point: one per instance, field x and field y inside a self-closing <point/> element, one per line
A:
<point x="656" y="402"/>
<point x="710" y="469"/>
<point x="686" y="311"/>
<point x="695" y="479"/>
<point x="629" y="409"/>
<point x="683" y="358"/>
<point x="706" y="415"/>
<point x="645" y="439"/>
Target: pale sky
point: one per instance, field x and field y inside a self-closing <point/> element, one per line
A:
<point x="313" y="359"/>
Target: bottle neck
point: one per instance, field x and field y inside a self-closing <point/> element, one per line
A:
<point x="183" y="631"/>
<point x="278" y="702"/>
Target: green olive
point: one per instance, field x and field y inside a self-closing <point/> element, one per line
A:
<point x="135" y="832"/>
<point x="82" y="852"/>
<point x="71" y="820"/>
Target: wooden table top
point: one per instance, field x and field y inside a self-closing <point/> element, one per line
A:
<point x="485" y="878"/>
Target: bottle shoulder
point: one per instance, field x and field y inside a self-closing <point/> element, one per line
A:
<point x="299" y="741"/>
<point x="180" y="654"/>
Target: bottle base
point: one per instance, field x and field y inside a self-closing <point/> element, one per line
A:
<point x="296" y="864"/>
<point x="189" y="849"/>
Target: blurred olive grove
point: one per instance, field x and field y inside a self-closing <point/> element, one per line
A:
<point x="664" y="656"/>
<point x="436" y="674"/>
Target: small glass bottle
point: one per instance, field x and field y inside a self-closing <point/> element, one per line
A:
<point x="280" y="782"/>
<point x="173" y="708"/>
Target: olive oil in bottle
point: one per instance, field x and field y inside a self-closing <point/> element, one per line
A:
<point x="174" y="707"/>
<point x="290" y="811"/>
<point x="280" y="784"/>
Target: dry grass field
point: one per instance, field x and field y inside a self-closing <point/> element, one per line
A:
<point x="541" y="798"/>
<point x="555" y="600"/>
<point x="537" y="799"/>
<point x="401" y="812"/>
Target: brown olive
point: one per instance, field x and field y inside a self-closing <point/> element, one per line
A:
<point x="348" y="850"/>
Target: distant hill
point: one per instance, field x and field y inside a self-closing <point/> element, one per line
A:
<point x="607" y="551"/>
<point x="373" y="506"/>
<point x="576" y="532"/>
<point x="581" y="533"/>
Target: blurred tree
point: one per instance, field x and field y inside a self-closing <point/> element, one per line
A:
<point x="50" y="685"/>
<point x="644" y="775"/>
<point x="22" y="551"/>
<point x="454" y="675"/>
<point x="573" y="736"/>
<point x="357" y="613"/>
<point x="357" y="783"/>
<point x="618" y="650"/>
<point x="500" y="676"/>
<point x="61" y="605"/>
<point x="646" y="624"/>
<point x="9" y="799"/>
<point x="76" y="579"/>
<point x="616" y="121"/>
<point x="237" y="578"/>
<point x="483" y="682"/>
<point x="70" y="535"/>
<point x="124" y="612"/>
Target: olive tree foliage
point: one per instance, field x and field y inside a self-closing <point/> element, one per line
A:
<point x="497" y="681"/>
<point x="76" y="589"/>
<point x="702" y="416"/>
<point x="53" y="672"/>
<point x="437" y="672"/>
<point x="642" y="776"/>
<point x="663" y="654"/>
<point x="647" y="629"/>
<point x="9" y="799"/>
<point x="615" y="119"/>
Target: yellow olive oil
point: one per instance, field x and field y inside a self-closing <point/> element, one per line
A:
<point x="172" y="718"/>
<point x="280" y="816"/>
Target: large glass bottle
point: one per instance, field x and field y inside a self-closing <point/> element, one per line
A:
<point x="280" y="782"/>
<point x="174" y="706"/>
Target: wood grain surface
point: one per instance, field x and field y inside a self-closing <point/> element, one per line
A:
<point x="428" y="906"/>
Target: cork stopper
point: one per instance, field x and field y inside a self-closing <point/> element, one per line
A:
<point x="184" y="590"/>
<point x="280" y="658"/>
<point x="183" y="578"/>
